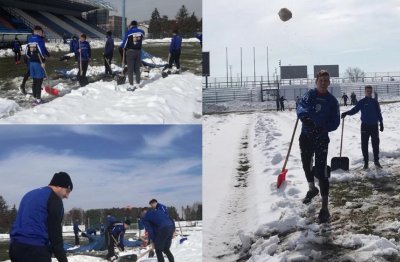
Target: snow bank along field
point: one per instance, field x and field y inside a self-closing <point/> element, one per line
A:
<point x="248" y="219"/>
<point x="189" y="250"/>
<point x="172" y="100"/>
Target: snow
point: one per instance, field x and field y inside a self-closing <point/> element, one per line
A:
<point x="245" y="215"/>
<point x="8" y="107"/>
<point x="94" y="44"/>
<point x="172" y="100"/>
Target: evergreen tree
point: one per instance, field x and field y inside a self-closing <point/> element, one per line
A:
<point x="182" y="20"/>
<point x="155" y="23"/>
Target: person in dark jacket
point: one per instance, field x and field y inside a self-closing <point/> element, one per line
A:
<point x="36" y="52"/>
<point x="282" y="103"/>
<point x="174" y="52"/>
<point x="116" y="238"/>
<point x="132" y="45"/>
<point x="108" y="53"/>
<point x="84" y="55"/>
<point x="353" y="99"/>
<point x="370" y="116"/>
<point x="155" y="205"/>
<point x="76" y="232"/>
<point x="74" y="46"/>
<point x="17" y="48"/>
<point x="36" y="233"/>
<point x="318" y="110"/>
<point x="345" y="98"/>
<point x="160" y="228"/>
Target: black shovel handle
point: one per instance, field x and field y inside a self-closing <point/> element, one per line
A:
<point x="341" y="139"/>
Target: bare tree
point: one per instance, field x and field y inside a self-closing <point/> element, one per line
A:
<point x="355" y="74"/>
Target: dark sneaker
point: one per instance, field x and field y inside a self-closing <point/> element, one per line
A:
<point x="22" y="89"/>
<point x="377" y="165"/>
<point x="365" y="166"/>
<point x="324" y="215"/>
<point x="310" y="195"/>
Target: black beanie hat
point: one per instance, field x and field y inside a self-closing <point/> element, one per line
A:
<point x="61" y="179"/>
<point x="128" y="222"/>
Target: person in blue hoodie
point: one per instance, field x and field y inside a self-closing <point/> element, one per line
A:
<point x="318" y="110"/>
<point x="116" y="238"/>
<point x="74" y="46"/>
<point x="132" y="45"/>
<point x="370" y="116"/>
<point x="76" y="231"/>
<point x="108" y="53"/>
<point x="84" y="55"/>
<point x="174" y="52"/>
<point x="36" y="52"/>
<point x="17" y="48"/>
<point x="155" y="205"/>
<point x="160" y="228"/>
<point x="36" y="233"/>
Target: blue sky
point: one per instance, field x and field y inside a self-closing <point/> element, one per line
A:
<point x="353" y="33"/>
<point x="110" y="165"/>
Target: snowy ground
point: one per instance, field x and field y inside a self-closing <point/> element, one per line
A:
<point x="172" y="100"/>
<point x="189" y="250"/>
<point x="247" y="219"/>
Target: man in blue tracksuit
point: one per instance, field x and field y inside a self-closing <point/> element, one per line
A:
<point x="36" y="52"/>
<point x="370" y="116"/>
<point x="108" y="53"/>
<point x="155" y="205"/>
<point x="174" y="51"/>
<point x="76" y="232"/>
<point x="116" y="238"/>
<point x="84" y="55"/>
<point x="160" y="228"/>
<point x="132" y="45"/>
<point x="17" y="48"/>
<point x="318" y="110"/>
<point x="37" y="232"/>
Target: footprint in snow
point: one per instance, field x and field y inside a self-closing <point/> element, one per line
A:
<point x="276" y="159"/>
<point x="293" y="191"/>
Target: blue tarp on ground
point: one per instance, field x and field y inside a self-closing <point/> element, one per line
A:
<point x="98" y="243"/>
<point x="144" y="55"/>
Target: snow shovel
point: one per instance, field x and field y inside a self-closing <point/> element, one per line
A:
<point x="83" y="81"/>
<point x="121" y="77"/>
<point x="340" y="162"/>
<point x="282" y="175"/>
<point x="183" y="237"/>
<point x="51" y="90"/>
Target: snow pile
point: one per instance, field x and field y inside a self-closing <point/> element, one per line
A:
<point x="173" y="100"/>
<point x="155" y="61"/>
<point x="94" y="70"/>
<point x="8" y="107"/>
<point x="6" y="52"/>
<point x="168" y="40"/>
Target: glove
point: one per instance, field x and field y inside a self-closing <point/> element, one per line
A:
<point x="381" y="126"/>
<point x="344" y="114"/>
<point x="308" y="122"/>
<point x="43" y="65"/>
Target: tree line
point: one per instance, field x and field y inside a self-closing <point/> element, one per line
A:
<point x="186" y="24"/>
<point x="95" y="217"/>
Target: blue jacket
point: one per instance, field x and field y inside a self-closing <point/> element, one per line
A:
<point x="133" y="39"/>
<point x="36" y="47"/>
<point x="370" y="111"/>
<point x="118" y="232"/>
<point x="154" y="220"/>
<point x="86" y="52"/>
<point x="162" y="208"/>
<point x="176" y="43"/>
<point x="323" y="110"/>
<point x="109" y="48"/>
<point x="74" y="46"/>
<point x="17" y="46"/>
<point x="76" y="228"/>
<point x="38" y="221"/>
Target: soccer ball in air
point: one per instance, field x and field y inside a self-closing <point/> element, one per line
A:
<point x="285" y="14"/>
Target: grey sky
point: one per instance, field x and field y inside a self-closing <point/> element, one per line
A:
<point x="141" y="9"/>
<point x="356" y="33"/>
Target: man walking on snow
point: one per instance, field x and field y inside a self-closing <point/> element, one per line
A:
<point x="318" y="110"/>
<point x="37" y="232"/>
<point x="370" y="115"/>
<point x="174" y="52"/>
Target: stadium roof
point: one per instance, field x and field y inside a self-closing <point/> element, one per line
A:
<point x="59" y="6"/>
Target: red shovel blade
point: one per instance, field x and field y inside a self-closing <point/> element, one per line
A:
<point x="281" y="178"/>
<point x="52" y="91"/>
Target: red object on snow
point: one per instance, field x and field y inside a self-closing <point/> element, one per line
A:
<point x="52" y="91"/>
<point x="281" y="178"/>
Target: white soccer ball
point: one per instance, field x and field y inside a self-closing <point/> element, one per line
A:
<point x="285" y="14"/>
